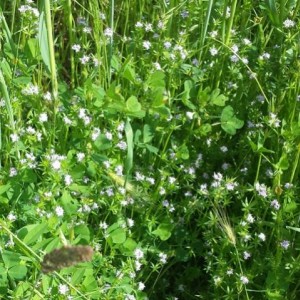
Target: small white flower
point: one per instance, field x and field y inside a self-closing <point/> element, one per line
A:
<point x="141" y="286"/>
<point x="103" y="225"/>
<point x="229" y="272"/>
<point x="139" y="176"/>
<point x="13" y="172"/>
<point x="108" y="32"/>
<point x="244" y="279"/>
<point x="247" y="42"/>
<point x="56" y="165"/>
<point x="43" y="117"/>
<point x="137" y="265"/>
<point x="139" y="25"/>
<point x="87" y="29"/>
<point x="11" y="217"/>
<point x="235" y="48"/>
<point x="246" y="255"/>
<point x="218" y="176"/>
<point x="63" y="289"/>
<point x="108" y="135"/>
<point x="80" y="156"/>
<point x="119" y="170"/>
<point x="213" y="51"/>
<point x="217" y="280"/>
<point x="234" y="58"/>
<point x="95" y="133"/>
<point x="151" y="180"/>
<point x="228" y="12"/>
<point x="68" y="179"/>
<point x="261" y="189"/>
<point x="157" y="66"/>
<point x="47" y="96"/>
<point x="106" y="164"/>
<point x="162" y="257"/>
<point x="250" y="219"/>
<point x="138" y="253"/>
<point x="245" y="60"/>
<point x="189" y="115"/>
<point x="172" y="179"/>
<point x="59" y="211"/>
<point x="161" y="25"/>
<point x="147" y="45"/>
<point x="285" y="244"/>
<point x="76" y="48"/>
<point x="288" y="23"/>
<point x="14" y="137"/>
<point x="130" y="222"/>
<point x="102" y="16"/>
<point x="67" y="121"/>
<point x="275" y="204"/>
<point x="122" y="145"/>
<point x="262" y="236"/>
<point x="213" y="34"/>
<point x="224" y="149"/>
<point x="195" y="62"/>
<point x="148" y="27"/>
<point x="167" y="45"/>
<point x="84" y="59"/>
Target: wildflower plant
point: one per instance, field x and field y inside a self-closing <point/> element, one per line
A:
<point x="149" y="150"/>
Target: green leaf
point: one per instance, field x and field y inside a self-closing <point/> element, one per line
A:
<point x="82" y="232"/>
<point x="290" y="207"/>
<point x="164" y="231"/>
<point x="69" y="204"/>
<point x="78" y="275"/>
<point x="6" y="69"/>
<point x="283" y="163"/>
<point x="99" y="93"/>
<point x="229" y="122"/>
<point x="129" y="73"/>
<point x="43" y="40"/>
<point x="163" y="111"/>
<point x="218" y="99"/>
<point x="147" y="134"/>
<point x="10" y="258"/>
<point x="31" y="233"/>
<point x="32" y="50"/>
<point x="132" y="104"/>
<point x="130" y="244"/>
<point x="17" y="272"/>
<point x="129" y="140"/>
<point x="151" y="148"/>
<point x="82" y="189"/>
<point x="102" y="143"/>
<point x="4" y="188"/>
<point x="156" y="80"/>
<point x="118" y="236"/>
<point x="293" y="228"/>
<point x="183" y="152"/>
<point x="188" y="85"/>
<point x="134" y="108"/>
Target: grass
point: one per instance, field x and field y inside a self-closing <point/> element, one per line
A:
<point x="163" y="135"/>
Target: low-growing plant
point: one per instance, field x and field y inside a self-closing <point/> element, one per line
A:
<point x="149" y="150"/>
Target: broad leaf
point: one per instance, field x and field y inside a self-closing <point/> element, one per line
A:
<point x="229" y="122"/>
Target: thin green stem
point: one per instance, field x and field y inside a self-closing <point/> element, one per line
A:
<point x="231" y="18"/>
<point x="111" y="39"/>
<point x="295" y="164"/>
<point x="71" y="40"/>
<point x="258" y="168"/>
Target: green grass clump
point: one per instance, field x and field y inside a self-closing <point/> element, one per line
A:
<point x="152" y="147"/>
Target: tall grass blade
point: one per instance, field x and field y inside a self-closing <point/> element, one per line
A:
<point x="43" y="41"/>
